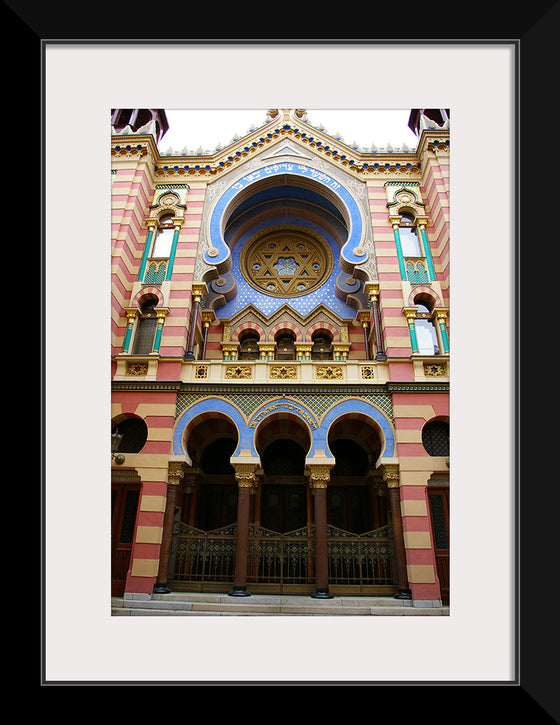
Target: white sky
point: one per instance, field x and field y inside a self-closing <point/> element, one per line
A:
<point x="205" y="129"/>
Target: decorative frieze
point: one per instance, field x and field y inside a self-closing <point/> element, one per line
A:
<point x="238" y="372"/>
<point x="329" y="372"/>
<point x="136" y="368"/>
<point x="201" y="372"/>
<point x="435" y="370"/>
<point x="283" y="372"/>
<point x="367" y="372"/>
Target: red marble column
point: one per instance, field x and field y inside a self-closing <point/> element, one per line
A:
<point x="174" y="477"/>
<point x="318" y="483"/>
<point x="246" y="483"/>
<point x="391" y="476"/>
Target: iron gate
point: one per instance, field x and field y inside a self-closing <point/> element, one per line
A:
<point x="281" y="561"/>
<point x="361" y="560"/>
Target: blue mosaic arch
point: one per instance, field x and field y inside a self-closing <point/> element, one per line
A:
<point x="245" y="294"/>
<point x="319" y="431"/>
<point x="219" y="252"/>
<point x="352" y="406"/>
<point x="209" y="405"/>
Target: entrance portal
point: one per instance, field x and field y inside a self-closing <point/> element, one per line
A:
<point x="124" y="505"/>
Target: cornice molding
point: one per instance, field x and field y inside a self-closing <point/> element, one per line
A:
<point x="284" y="125"/>
<point x="386" y="161"/>
<point x="134" y="145"/>
<point x="356" y="162"/>
<point x="273" y="388"/>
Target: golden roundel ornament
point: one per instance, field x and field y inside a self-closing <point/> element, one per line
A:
<point x="286" y="262"/>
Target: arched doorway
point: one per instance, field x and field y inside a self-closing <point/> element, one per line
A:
<point x="210" y="447"/>
<point x="354" y="493"/>
<point x="283" y="505"/>
<point x="280" y="542"/>
<point x="125" y="498"/>
<point x="202" y="554"/>
<point x="360" y="539"/>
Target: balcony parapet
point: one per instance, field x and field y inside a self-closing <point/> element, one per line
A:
<point x="294" y="371"/>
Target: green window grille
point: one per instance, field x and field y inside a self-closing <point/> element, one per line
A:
<point x="155" y="273"/>
<point x="416" y="274"/>
<point x="145" y="336"/>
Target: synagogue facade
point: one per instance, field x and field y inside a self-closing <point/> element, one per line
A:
<point x="280" y="362"/>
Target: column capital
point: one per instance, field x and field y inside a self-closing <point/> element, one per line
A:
<point x="410" y="313"/>
<point x="208" y="317"/>
<point x="372" y="290"/>
<point x="162" y="312"/>
<point x="175" y="473"/>
<point x="246" y="475"/>
<point x="390" y="472"/>
<point x="319" y="475"/>
<point x="363" y="317"/>
<point x="198" y="290"/>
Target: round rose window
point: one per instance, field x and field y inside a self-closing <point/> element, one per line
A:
<point x="286" y="262"/>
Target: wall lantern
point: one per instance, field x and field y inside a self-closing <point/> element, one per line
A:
<point x="116" y="439"/>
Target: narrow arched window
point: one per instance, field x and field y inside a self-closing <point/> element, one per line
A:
<point x="322" y="346"/>
<point x="146" y="329"/>
<point x="426" y="335"/>
<point x="249" y="346"/>
<point x="285" y="347"/>
<point x="409" y="237"/>
<point x="164" y="237"/>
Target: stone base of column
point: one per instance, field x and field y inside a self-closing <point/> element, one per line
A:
<point x="322" y="594"/>
<point x="239" y="592"/>
<point x="189" y="356"/>
<point x="161" y="588"/>
<point x="403" y="594"/>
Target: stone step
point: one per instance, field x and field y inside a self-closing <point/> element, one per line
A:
<point x="195" y="603"/>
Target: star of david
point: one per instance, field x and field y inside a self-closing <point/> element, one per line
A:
<point x="286" y="266"/>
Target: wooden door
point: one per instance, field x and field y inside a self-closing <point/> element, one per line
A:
<point x="124" y="501"/>
<point x="349" y="507"/>
<point x="439" y="511"/>
<point x="283" y="507"/>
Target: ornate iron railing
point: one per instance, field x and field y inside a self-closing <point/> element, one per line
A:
<point x="202" y="556"/>
<point x="282" y="559"/>
<point x="276" y="558"/>
<point x="361" y="560"/>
